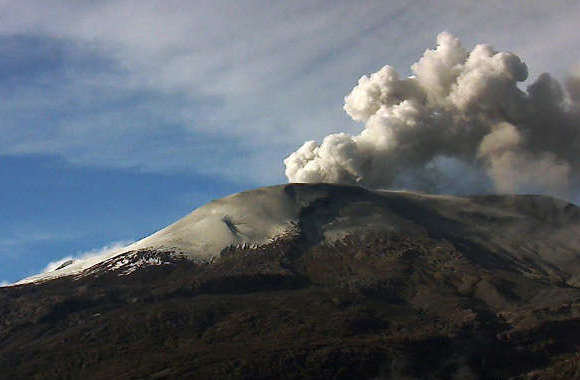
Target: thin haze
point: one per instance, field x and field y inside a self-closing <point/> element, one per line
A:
<point x="460" y="106"/>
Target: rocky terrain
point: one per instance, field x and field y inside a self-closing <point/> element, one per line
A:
<point x="316" y="282"/>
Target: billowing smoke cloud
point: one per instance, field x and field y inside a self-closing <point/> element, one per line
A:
<point x="460" y="109"/>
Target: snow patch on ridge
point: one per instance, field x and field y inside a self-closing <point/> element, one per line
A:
<point x="128" y="262"/>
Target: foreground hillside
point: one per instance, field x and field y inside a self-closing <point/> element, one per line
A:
<point x="370" y="285"/>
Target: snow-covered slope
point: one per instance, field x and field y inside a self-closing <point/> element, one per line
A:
<point x="537" y="229"/>
<point x="252" y="217"/>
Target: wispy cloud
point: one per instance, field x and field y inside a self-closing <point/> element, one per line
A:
<point x="74" y="264"/>
<point x="86" y="259"/>
<point x="217" y="87"/>
<point x="10" y="242"/>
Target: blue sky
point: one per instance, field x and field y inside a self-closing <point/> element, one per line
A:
<point x="118" y="117"/>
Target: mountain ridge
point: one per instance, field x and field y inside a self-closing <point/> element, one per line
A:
<point x="259" y="216"/>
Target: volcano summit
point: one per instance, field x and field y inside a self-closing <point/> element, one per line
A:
<point x="315" y="281"/>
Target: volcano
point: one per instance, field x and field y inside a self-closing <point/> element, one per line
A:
<point x="315" y="281"/>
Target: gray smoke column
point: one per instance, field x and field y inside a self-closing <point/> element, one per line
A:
<point x="462" y="107"/>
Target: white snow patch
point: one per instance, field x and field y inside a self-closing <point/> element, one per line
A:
<point x="142" y="262"/>
<point x="129" y="262"/>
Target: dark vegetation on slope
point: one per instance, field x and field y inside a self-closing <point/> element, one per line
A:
<point x="382" y="306"/>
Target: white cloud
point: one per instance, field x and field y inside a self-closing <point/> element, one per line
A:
<point x="77" y="263"/>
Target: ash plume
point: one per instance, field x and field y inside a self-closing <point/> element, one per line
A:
<point x="460" y="109"/>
